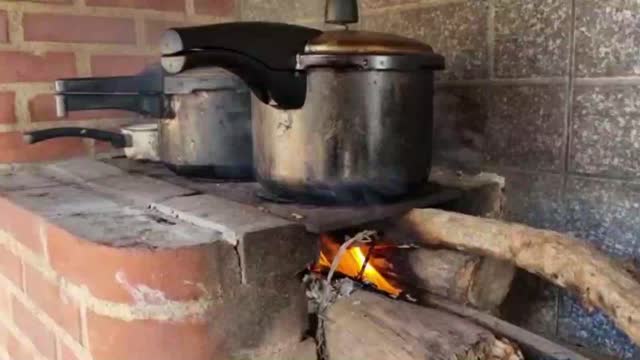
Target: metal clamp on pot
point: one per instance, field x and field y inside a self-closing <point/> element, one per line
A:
<point x="338" y="116"/>
<point x="204" y="126"/>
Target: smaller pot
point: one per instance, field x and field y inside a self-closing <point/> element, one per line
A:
<point x="139" y="142"/>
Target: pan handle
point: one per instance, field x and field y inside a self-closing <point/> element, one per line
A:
<point x="116" y="139"/>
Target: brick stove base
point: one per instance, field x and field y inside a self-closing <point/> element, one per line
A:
<point x="102" y="274"/>
<point x="127" y="261"/>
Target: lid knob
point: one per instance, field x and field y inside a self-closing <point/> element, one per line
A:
<point x="341" y="12"/>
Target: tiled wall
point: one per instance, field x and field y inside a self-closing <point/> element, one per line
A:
<point x="546" y="92"/>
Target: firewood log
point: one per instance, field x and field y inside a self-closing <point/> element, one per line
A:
<point x="572" y="264"/>
<point x="480" y="281"/>
<point x="371" y="326"/>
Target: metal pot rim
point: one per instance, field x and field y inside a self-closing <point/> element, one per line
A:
<point x="411" y="62"/>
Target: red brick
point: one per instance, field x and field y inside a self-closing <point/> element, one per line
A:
<point x="116" y="65"/>
<point x="154" y="29"/>
<point x="66" y="353"/>
<point x="16" y="350"/>
<point x="4" y="27"/>
<point x="16" y="66"/>
<point x="22" y="224"/>
<point x="14" y="150"/>
<point x="7" y="108"/>
<point x="42" y="107"/>
<point x="43" y="339"/>
<point x="78" y="29"/>
<point x="162" y="5"/>
<point x="148" y="339"/>
<point x="10" y="266"/>
<point x="222" y="8"/>
<point x="180" y="274"/>
<point x="48" y="297"/>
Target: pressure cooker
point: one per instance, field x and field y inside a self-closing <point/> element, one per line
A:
<point x="338" y="116"/>
<point x="203" y="126"/>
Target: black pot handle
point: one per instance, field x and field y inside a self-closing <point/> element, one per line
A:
<point x="287" y="88"/>
<point x="262" y="54"/>
<point x="149" y="82"/>
<point x="116" y="139"/>
<point x="156" y="106"/>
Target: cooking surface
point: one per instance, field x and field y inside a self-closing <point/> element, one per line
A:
<point x="317" y="219"/>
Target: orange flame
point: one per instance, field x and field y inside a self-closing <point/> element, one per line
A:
<point x="352" y="262"/>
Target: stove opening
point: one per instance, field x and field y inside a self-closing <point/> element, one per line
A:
<point x="364" y="257"/>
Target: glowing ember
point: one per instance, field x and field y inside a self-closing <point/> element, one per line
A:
<point x="352" y="262"/>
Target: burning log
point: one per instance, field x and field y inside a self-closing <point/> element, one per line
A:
<point x="371" y="326"/>
<point x="566" y="262"/>
<point x="480" y="281"/>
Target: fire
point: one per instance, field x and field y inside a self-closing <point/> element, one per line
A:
<point x="352" y="262"/>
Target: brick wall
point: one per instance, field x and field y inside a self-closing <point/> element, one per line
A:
<point x="56" y="301"/>
<point x="545" y="92"/>
<point x="48" y="39"/>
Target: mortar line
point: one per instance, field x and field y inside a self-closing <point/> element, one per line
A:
<point x="501" y="81"/>
<point x="239" y="10"/>
<point x="424" y="4"/>
<point x="16" y="30"/>
<point x="42" y="232"/>
<point x="627" y="80"/>
<point x="568" y="136"/>
<point x="190" y="9"/>
<point x="58" y="349"/>
<point x="491" y="39"/>
<point x="576" y="174"/>
<point x="570" y="89"/>
<point x="23" y="277"/>
<point x="83" y="63"/>
<point x="140" y="29"/>
<point x="84" y="327"/>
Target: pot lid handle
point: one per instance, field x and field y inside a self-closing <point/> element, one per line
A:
<point x="341" y="12"/>
<point x="273" y="44"/>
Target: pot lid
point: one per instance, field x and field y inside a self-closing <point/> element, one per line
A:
<point x="368" y="51"/>
<point x="365" y="42"/>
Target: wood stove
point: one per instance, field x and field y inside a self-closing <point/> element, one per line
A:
<point x="237" y="272"/>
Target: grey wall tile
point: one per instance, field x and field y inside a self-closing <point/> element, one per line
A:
<point x="535" y="199"/>
<point x="606" y="131"/>
<point x="458" y="31"/>
<point x="526" y="126"/>
<point x="607" y="37"/>
<point x="282" y="10"/>
<point x="576" y="325"/>
<point x="460" y="116"/>
<point x="532" y="38"/>
<point x="605" y="212"/>
<point x="532" y="304"/>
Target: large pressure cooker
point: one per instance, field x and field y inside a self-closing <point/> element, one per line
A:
<point x="204" y="126"/>
<point x="338" y="116"/>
